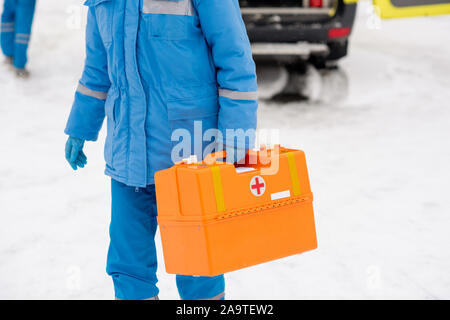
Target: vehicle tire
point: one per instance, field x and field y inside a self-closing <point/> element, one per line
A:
<point x="271" y="80"/>
<point x="309" y="84"/>
<point x="335" y="86"/>
<point x="319" y="86"/>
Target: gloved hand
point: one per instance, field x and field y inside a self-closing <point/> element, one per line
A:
<point x="74" y="153"/>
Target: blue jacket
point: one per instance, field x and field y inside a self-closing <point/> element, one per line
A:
<point x="154" y="66"/>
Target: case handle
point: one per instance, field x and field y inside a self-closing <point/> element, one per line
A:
<point x="211" y="158"/>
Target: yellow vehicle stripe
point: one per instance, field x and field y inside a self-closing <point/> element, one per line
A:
<point x="388" y="11"/>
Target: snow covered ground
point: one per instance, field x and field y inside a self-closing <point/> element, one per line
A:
<point x="379" y="167"/>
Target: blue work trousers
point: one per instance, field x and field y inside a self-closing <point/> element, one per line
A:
<point x="132" y="261"/>
<point x="16" y="21"/>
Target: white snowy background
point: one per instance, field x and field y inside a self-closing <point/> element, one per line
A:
<point x="379" y="168"/>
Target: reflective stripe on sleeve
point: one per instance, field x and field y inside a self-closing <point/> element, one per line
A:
<point x="91" y="93"/>
<point x="180" y="8"/>
<point x="237" y="95"/>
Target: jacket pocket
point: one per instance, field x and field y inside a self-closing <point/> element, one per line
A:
<point x="193" y="124"/>
<point x="169" y="19"/>
<point x="104" y="15"/>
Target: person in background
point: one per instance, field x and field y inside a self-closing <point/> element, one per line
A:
<point x="16" y="21"/>
<point x="153" y="67"/>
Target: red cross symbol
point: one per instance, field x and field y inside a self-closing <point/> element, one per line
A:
<point x="258" y="186"/>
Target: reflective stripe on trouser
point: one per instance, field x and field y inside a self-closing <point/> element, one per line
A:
<point x="220" y="296"/>
<point x="7" y="27"/>
<point x="22" y="38"/>
<point x="132" y="261"/>
<point x="91" y="93"/>
<point x="178" y="7"/>
<point x="238" y="95"/>
<point x="156" y="298"/>
<point x="20" y="14"/>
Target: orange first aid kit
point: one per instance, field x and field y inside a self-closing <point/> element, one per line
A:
<point x="216" y="217"/>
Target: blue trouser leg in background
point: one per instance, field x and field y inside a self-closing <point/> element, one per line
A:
<point x="7" y="27"/>
<point x="132" y="260"/>
<point x="24" y="20"/>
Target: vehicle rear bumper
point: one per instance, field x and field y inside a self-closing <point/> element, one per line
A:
<point x="300" y="49"/>
<point x="315" y="32"/>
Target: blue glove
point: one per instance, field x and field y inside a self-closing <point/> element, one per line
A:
<point x="74" y="153"/>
